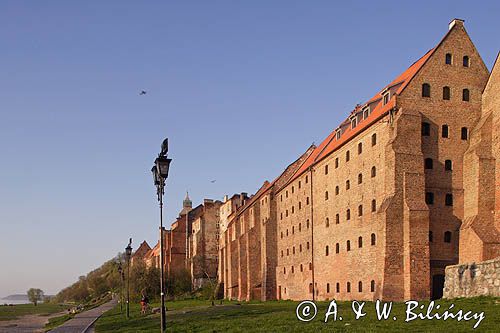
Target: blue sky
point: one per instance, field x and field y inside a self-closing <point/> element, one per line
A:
<point x="241" y="88"/>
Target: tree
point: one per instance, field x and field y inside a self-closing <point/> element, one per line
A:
<point x="35" y="295"/>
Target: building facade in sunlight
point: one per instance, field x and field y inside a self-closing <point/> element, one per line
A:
<point x="408" y="184"/>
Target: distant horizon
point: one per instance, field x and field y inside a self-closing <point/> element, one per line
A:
<point x="240" y="90"/>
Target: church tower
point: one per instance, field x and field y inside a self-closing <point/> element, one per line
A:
<point x="187" y="205"/>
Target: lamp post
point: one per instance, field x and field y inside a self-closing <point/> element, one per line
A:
<point x="160" y="175"/>
<point x="128" y="254"/>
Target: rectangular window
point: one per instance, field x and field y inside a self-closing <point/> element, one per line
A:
<point x="429" y="198"/>
<point x="444" y="131"/>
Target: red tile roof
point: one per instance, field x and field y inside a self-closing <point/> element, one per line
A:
<point x="331" y="143"/>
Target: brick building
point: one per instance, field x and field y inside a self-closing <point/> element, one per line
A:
<point x="376" y="211"/>
<point x="191" y="244"/>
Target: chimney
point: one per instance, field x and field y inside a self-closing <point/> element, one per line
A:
<point x="458" y="22"/>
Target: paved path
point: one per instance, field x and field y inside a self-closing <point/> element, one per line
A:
<point x="27" y="324"/>
<point x="82" y="321"/>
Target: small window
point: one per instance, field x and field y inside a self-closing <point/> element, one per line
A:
<point x="338" y="287"/>
<point x="293" y="209"/>
<point x="447" y="165"/>
<point x="372" y="286"/>
<point x="310" y="266"/>
<point x="300" y="227"/>
<point x="339" y="134"/>
<point x="426" y="90"/>
<point x="337" y="248"/>
<point x="373" y="239"/>
<point x="293" y="271"/>
<point x="307" y="225"/>
<point x="366" y="113"/>
<point x="307" y="246"/>
<point x="300" y="184"/>
<point x="347" y="156"/>
<point x="360" y="210"/>
<point x="464" y="133"/>
<point x="360" y="178"/>
<point x="300" y="250"/>
<point x="360" y="286"/>
<point x="284" y="270"/>
<point x="348" y="287"/>
<point x="347" y="184"/>
<point x="348" y="245"/>
<point x="426" y="129"/>
<point x="336" y="163"/>
<point x="447" y="237"/>
<point x="300" y="205"/>
<point x="374" y="139"/>
<point x="307" y="179"/>
<point x="282" y="253"/>
<point x="386" y="98"/>
<point x="360" y="148"/>
<point x="448" y="199"/>
<point x="337" y="219"/>
<point x="465" y="95"/>
<point x="310" y="287"/>
<point x="301" y="268"/>
<point x="428" y="163"/>
<point x="373" y="171"/>
<point x="444" y="131"/>
<point x="431" y="236"/>
<point x="327" y="222"/>
<point x="337" y="190"/>
<point x="353" y="123"/>
<point x="360" y="242"/>
<point x="374" y="205"/>
<point x="293" y="189"/>
<point x="293" y="232"/>
<point x="327" y="251"/>
<point x="348" y="214"/>
<point x="448" y="59"/>
<point x="466" y="61"/>
<point x="286" y="193"/>
<point x="326" y="169"/>
<point x="446" y="93"/>
<point x="429" y="198"/>
<point x="326" y="195"/>
<point x="307" y="200"/>
<point x="328" y="288"/>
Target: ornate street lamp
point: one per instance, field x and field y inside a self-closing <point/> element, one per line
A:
<point x="160" y="174"/>
<point x="128" y="255"/>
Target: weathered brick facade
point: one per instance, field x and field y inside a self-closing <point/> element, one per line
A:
<point x="376" y="210"/>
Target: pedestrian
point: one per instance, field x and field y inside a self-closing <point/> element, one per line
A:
<point x="144" y="303"/>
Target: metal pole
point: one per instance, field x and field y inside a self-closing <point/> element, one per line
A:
<point x="162" y="273"/>
<point x="128" y="287"/>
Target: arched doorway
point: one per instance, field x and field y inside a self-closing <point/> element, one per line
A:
<point x="437" y="286"/>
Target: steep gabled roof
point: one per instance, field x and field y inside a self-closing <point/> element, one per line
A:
<point x="332" y="143"/>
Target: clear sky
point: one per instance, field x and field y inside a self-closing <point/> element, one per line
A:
<point x="241" y="88"/>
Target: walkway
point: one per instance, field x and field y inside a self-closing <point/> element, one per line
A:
<point x="83" y="321"/>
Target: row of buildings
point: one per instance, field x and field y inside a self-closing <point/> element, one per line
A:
<point x="407" y="185"/>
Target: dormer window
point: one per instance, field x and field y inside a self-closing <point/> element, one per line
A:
<point x="339" y="133"/>
<point x="354" y="123"/>
<point x="366" y="112"/>
<point x="386" y="98"/>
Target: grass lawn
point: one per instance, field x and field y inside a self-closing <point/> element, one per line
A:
<point x="274" y="316"/>
<point x="16" y="311"/>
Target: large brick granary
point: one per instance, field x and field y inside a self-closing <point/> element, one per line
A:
<point x="379" y="208"/>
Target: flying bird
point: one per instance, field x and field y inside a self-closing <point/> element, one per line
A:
<point x="143" y="92"/>
<point x="213" y="181"/>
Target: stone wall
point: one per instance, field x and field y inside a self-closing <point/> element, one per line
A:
<point x="476" y="279"/>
